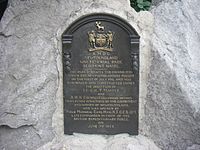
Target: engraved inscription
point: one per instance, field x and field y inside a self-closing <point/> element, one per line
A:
<point x="101" y="76"/>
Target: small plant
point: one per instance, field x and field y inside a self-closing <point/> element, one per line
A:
<point x="140" y="5"/>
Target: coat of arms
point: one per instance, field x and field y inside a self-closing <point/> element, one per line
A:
<point x="99" y="39"/>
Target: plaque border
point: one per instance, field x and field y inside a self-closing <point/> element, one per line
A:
<point x="134" y="39"/>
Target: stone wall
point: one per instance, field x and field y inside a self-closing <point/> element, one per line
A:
<point x="31" y="103"/>
<point x="173" y="100"/>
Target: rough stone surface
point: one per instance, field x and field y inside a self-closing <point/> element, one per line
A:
<point x="31" y="103"/>
<point x="156" y="2"/>
<point x="194" y="147"/>
<point x="97" y="142"/>
<point x="172" y="109"/>
<point x="31" y="115"/>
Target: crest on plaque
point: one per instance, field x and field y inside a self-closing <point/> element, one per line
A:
<point x="99" y="39"/>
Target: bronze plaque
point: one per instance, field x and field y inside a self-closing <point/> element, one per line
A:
<point x="100" y="76"/>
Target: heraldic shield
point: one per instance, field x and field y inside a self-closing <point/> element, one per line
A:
<point x="99" y="39"/>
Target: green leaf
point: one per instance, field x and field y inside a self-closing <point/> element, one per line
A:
<point x="146" y="3"/>
<point x="140" y="6"/>
<point x="137" y="9"/>
<point x="139" y="1"/>
<point x="132" y="3"/>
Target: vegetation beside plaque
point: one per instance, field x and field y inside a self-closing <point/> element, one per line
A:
<point x="141" y="5"/>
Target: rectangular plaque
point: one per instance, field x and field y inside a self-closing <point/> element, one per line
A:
<point x="101" y="76"/>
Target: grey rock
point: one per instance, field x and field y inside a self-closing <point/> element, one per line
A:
<point x="156" y="2"/>
<point x="124" y="142"/>
<point x="100" y="142"/>
<point x="194" y="147"/>
<point x="30" y="75"/>
<point x="173" y="101"/>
